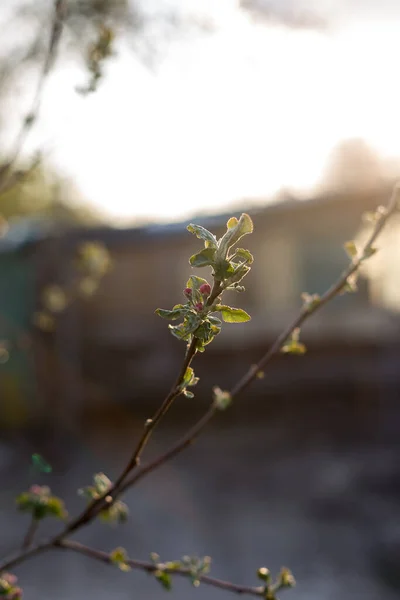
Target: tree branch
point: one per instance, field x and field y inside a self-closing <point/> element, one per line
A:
<point x="7" y="177"/>
<point x="151" y="568"/>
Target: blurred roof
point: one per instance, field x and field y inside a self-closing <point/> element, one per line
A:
<point x="27" y="231"/>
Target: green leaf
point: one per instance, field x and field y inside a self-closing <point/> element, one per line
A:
<point x="285" y="579"/>
<point x="56" y="508"/>
<point x="294" y="347"/>
<point x="119" y="558"/>
<point x="203" y="234"/>
<point x="223" y="269"/>
<point x="117" y="513"/>
<point x="351" y="284"/>
<point x="238" y="274"/>
<point x="40" y="464"/>
<point x="184" y="330"/>
<point x="164" y="578"/>
<point x="176" y="313"/>
<point x="189" y="379"/>
<point x="369" y="251"/>
<point x="236" y="229"/>
<point x="205" y="333"/>
<point x="101" y="482"/>
<point x="222" y="399"/>
<point x="310" y="300"/>
<point x="232" y="315"/>
<point x="243" y="255"/>
<point x="351" y="249"/>
<point x="204" y="258"/>
<point x="214" y="321"/>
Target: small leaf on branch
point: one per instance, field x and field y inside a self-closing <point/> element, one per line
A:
<point x="41" y="504"/>
<point x="310" y="300"/>
<point x="293" y="346"/>
<point x="232" y="315"/>
<point x="222" y="399"/>
<point x="176" y="313"/>
<point x="203" y="234"/>
<point x="369" y="251"/>
<point x="243" y="255"/>
<point x="351" y="249"/>
<point x="164" y="578"/>
<point x="204" y="258"/>
<point x="119" y="557"/>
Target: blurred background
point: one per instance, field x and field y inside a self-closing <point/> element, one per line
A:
<point x="121" y="122"/>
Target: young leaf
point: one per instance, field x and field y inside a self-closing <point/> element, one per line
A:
<point x="203" y="234"/>
<point x="176" y="313"/>
<point x="204" y="258"/>
<point x="351" y="249"/>
<point x="243" y="255"/>
<point x="223" y="269"/>
<point x="238" y="274"/>
<point x="232" y="315"/>
<point x="222" y="399"/>
<point x="40" y="464"/>
<point x="194" y="282"/>
<point x="119" y="558"/>
<point x="164" y="578"/>
<point x="236" y="229"/>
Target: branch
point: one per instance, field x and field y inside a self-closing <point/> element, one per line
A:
<point x="151" y="568"/>
<point x="23" y="555"/>
<point x="7" y="177"/>
<point x="30" y="534"/>
<point x="251" y="374"/>
<point x="124" y="483"/>
<point x="109" y="496"/>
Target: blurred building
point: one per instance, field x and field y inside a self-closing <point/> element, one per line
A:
<point x="112" y="348"/>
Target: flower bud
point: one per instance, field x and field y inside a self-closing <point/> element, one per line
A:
<point x="199" y="306"/>
<point x="187" y="292"/>
<point x="205" y="289"/>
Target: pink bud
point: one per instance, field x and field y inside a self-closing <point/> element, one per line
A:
<point x="205" y="289"/>
<point x="199" y="306"/>
<point x="35" y="489"/>
<point x="187" y="292"/>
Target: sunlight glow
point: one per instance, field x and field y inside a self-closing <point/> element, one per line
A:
<point x="237" y="113"/>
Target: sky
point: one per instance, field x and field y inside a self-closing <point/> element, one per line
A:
<point x="240" y="112"/>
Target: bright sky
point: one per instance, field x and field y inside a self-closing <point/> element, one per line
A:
<point x="237" y="113"/>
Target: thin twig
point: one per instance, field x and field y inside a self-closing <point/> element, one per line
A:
<point x="151" y="568"/>
<point x="7" y="177"/>
<point x="30" y="534"/>
<point x="23" y="555"/>
<point x="251" y="374"/>
<point x="193" y="433"/>
<point x="106" y="499"/>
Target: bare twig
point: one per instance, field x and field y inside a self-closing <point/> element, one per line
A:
<point x="30" y="534"/>
<point x="151" y="568"/>
<point x="7" y="176"/>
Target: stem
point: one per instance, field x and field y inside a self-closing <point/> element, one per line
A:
<point x="30" y="534"/>
<point x="97" y="505"/>
<point x="176" y="449"/>
<point x="251" y="374"/>
<point x="7" y="178"/>
<point x="24" y="555"/>
<point x="151" y="567"/>
<point x="122" y="484"/>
